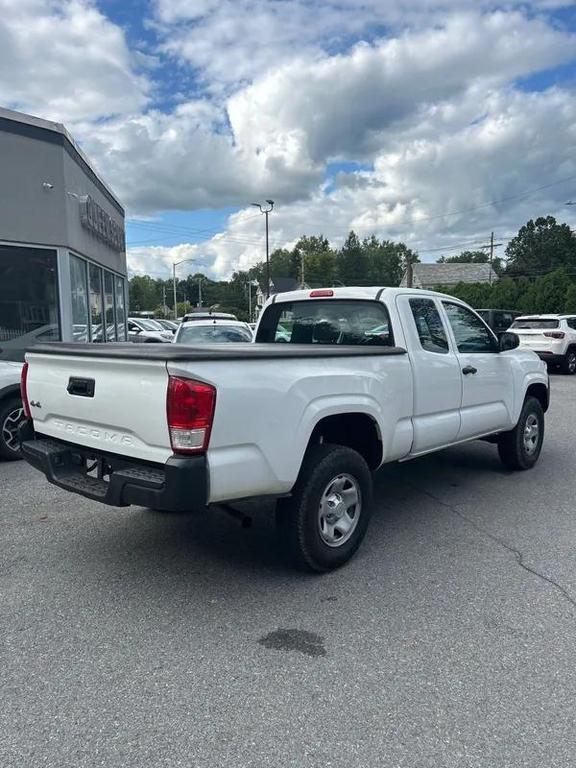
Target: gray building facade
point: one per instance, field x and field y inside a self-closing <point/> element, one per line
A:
<point x="62" y="243"/>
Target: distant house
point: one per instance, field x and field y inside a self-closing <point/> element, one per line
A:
<point x="431" y="275"/>
<point x="277" y="285"/>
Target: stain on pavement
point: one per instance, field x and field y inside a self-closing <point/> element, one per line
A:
<point x="300" y="640"/>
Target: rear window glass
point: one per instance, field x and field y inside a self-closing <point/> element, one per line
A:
<point x="326" y="321"/>
<point x="218" y="333"/>
<point x="536" y="323"/>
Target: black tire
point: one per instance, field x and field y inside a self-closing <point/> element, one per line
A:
<point x="298" y="517"/>
<point x="513" y="447"/>
<point x="11" y="414"/>
<point x="568" y="365"/>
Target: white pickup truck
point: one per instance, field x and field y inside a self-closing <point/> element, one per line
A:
<point x="338" y="382"/>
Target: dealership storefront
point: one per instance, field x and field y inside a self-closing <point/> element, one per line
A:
<point x="62" y="247"/>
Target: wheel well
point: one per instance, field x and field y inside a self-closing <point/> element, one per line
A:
<point x="354" y="430"/>
<point x="540" y="392"/>
<point x="10" y="391"/>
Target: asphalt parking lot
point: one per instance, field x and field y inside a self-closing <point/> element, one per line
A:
<point x="131" y="638"/>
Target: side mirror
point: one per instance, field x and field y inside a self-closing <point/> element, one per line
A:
<point x="509" y="341"/>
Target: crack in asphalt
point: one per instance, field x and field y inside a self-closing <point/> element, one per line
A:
<point x="519" y="557"/>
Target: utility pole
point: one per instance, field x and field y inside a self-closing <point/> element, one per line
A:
<point x="491" y="245"/>
<point x="266" y="211"/>
<point x="163" y="298"/>
<point x="249" y="301"/>
<point x="200" y="291"/>
<point x="409" y="273"/>
<point x="174" y="286"/>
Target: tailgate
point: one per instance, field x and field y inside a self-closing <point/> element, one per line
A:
<point x="533" y="338"/>
<point x="110" y="404"/>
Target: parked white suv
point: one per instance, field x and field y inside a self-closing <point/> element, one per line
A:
<point x="552" y="337"/>
<point x="11" y="413"/>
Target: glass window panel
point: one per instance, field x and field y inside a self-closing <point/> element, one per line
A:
<point x="429" y="326"/>
<point x="95" y="280"/>
<point x="28" y="299"/>
<point x="334" y="321"/>
<point x="79" y="298"/>
<point x="120" y="309"/>
<point x="469" y="331"/>
<point x="110" y="320"/>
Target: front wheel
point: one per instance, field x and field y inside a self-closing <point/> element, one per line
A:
<point x="520" y="448"/>
<point x="568" y="365"/>
<point x="324" y="521"/>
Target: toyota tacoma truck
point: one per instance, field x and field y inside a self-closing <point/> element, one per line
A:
<point x="338" y="382"/>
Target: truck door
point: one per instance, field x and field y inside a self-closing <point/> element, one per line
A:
<point x="436" y="373"/>
<point x="487" y="379"/>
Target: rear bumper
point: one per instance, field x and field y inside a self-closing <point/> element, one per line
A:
<point x="550" y="357"/>
<point x="179" y="485"/>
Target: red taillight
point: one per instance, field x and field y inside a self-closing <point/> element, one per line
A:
<point x="554" y="334"/>
<point x="189" y="410"/>
<point x="24" y="391"/>
<point x="323" y="292"/>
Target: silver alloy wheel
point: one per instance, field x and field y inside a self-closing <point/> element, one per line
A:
<point x="10" y="429"/>
<point x="571" y="362"/>
<point x="531" y="433"/>
<point x="339" y="511"/>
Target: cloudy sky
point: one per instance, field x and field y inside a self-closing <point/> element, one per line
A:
<point x="429" y="121"/>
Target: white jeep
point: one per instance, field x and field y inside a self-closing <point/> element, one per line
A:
<point x="552" y="337"/>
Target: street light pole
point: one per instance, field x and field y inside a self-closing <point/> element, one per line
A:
<point x="266" y="211"/>
<point x="174" y="265"/>
<point x="174" y="286"/>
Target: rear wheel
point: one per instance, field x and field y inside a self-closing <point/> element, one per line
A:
<point x="520" y="448"/>
<point x="11" y="416"/>
<point x="324" y="521"/>
<point x="568" y="365"/>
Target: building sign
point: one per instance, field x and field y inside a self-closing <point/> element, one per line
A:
<point x="96" y="220"/>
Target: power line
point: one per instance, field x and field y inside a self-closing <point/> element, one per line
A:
<point x="247" y="240"/>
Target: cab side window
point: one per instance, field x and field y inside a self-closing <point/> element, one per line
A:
<point x="429" y="326"/>
<point x="572" y="323"/>
<point x="469" y="331"/>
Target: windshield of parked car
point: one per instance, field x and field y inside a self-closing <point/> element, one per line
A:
<point x="326" y="321"/>
<point x="536" y="323"/>
<point x="218" y="333"/>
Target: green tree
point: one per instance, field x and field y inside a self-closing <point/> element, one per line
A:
<point x="316" y="260"/>
<point x="386" y="261"/>
<point x="504" y="294"/>
<point x="475" y="294"/>
<point x="473" y="257"/>
<point x="352" y="262"/>
<point x="570" y="300"/>
<point x="546" y="294"/>
<point x="541" y="246"/>
<point x="144" y="292"/>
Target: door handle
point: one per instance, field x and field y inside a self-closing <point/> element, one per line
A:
<point x="469" y="369"/>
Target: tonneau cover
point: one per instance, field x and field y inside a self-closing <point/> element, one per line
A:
<point x="246" y="352"/>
